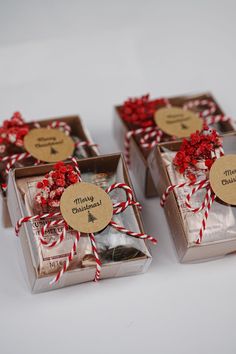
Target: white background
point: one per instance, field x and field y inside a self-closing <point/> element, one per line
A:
<point x="62" y="57"/>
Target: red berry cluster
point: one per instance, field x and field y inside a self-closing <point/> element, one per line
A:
<point x="13" y="130"/>
<point x="54" y="183"/>
<point x="139" y="111"/>
<point x="198" y="147"/>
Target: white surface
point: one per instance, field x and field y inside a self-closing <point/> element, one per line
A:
<point x="60" y="57"/>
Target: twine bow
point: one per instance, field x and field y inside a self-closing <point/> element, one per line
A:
<point x="11" y="160"/>
<point x="151" y="136"/>
<point x="117" y="209"/>
<point x="206" y="205"/>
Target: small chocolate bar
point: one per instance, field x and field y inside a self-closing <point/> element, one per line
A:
<point x="140" y="124"/>
<point x="32" y="192"/>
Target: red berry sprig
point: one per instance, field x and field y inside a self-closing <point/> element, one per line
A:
<point x="198" y="147"/>
<point x="139" y="111"/>
<point x="13" y="130"/>
<point x="54" y="183"/>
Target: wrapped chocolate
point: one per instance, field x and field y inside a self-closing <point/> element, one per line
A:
<point x="201" y="218"/>
<point x="142" y="123"/>
<point x="26" y="144"/>
<point x="77" y="224"/>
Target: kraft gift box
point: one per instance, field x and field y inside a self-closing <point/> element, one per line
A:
<point x="222" y="217"/>
<point x="139" y="156"/>
<point x="78" y="130"/>
<point x="99" y="167"/>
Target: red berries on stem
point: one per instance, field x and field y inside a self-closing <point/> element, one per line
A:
<point x="13" y="130"/>
<point x="199" y="147"/>
<point x="54" y="183"/>
<point x="140" y="111"/>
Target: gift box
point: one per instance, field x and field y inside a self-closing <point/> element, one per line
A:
<point x="100" y="236"/>
<point x="202" y="222"/>
<point x="141" y="124"/>
<point x="13" y="152"/>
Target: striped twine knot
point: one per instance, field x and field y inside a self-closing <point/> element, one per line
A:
<point x="206" y="204"/>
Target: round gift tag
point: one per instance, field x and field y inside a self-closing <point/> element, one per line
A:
<point x="49" y="145"/>
<point x="86" y="207"/>
<point x="177" y="122"/>
<point x="223" y="178"/>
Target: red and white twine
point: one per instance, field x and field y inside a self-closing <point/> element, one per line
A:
<point x="12" y="161"/>
<point x="68" y="259"/>
<point x="117" y="208"/>
<point x="150" y="132"/>
<point x="195" y="104"/>
<point x="56" y="124"/>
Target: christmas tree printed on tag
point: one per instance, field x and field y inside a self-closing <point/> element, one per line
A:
<point x="53" y="151"/>
<point x="91" y="217"/>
